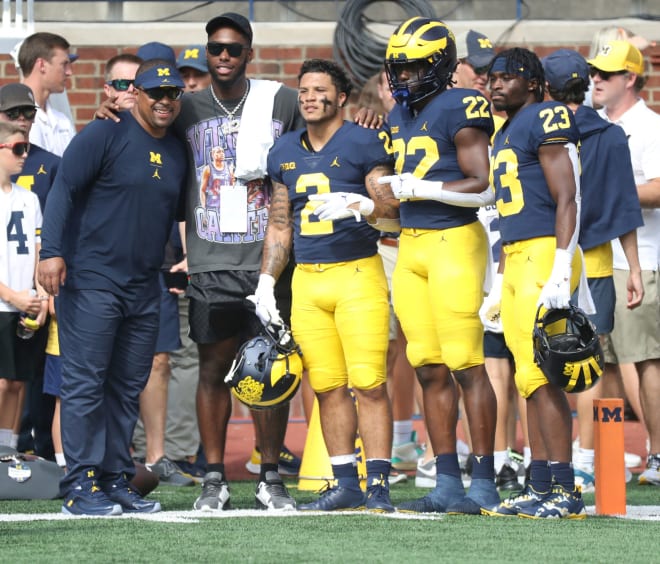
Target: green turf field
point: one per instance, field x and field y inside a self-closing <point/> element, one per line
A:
<point x="35" y="532"/>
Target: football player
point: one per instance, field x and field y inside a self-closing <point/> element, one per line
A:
<point x="325" y="196"/>
<point x="440" y="138"/>
<point x="534" y="169"/>
<point x="612" y="211"/>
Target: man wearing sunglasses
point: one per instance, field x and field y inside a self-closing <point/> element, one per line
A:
<point x="618" y="78"/>
<point x="118" y="189"/>
<point x="17" y="105"/>
<point x="119" y="78"/>
<point x="225" y="242"/>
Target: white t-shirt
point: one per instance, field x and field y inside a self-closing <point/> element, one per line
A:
<point x="642" y="126"/>
<point x="52" y="130"/>
<point x="19" y="235"/>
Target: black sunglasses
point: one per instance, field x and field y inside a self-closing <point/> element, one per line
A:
<point x="28" y="112"/>
<point x="120" y="84"/>
<point x="19" y="148"/>
<point x="605" y="75"/>
<point x="159" y="93"/>
<point x="234" y="49"/>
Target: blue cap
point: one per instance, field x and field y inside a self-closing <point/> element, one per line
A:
<point x="160" y="76"/>
<point x="193" y="56"/>
<point x="564" y="65"/>
<point x="156" y="50"/>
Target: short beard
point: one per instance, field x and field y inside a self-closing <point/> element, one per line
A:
<point x="228" y="83"/>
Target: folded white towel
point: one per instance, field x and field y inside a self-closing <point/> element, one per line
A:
<point x="255" y="134"/>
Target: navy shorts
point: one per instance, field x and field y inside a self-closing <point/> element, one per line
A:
<point x="495" y="346"/>
<point x="604" y="296"/>
<point x="168" y="329"/>
<point x="53" y="375"/>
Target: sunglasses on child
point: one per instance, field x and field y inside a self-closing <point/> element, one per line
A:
<point x="234" y="49"/>
<point x="605" y="75"/>
<point x="160" y="93"/>
<point x="120" y="84"/>
<point x="19" y="148"/>
<point x="28" y="112"/>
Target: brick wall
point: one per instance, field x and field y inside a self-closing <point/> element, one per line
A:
<point x="279" y="63"/>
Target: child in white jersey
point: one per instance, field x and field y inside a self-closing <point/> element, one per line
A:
<point x="20" y="232"/>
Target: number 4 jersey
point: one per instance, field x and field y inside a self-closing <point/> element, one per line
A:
<point x="522" y="195"/>
<point x="21" y="232"/>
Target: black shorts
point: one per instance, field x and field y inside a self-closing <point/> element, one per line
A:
<point x="219" y="309"/>
<point x="495" y="346"/>
<point x="17" y="356"/>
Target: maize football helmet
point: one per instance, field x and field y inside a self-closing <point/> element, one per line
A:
<point x="425" y="48"/>
<point x="267" y="370"/>
<point x="567" y="348"/>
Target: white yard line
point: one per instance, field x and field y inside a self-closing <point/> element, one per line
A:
<point x="637" y="512"/>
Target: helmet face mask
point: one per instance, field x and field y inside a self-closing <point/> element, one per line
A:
<point x="267" y="370"/>
<point x="420" y="60"/>
<point x="567" y="349"/>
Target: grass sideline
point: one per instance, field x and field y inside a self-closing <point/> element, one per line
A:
<point x="296" y="538"/>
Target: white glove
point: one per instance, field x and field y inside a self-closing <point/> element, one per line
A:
<point x="264" y="301"/>
<point x="408" y="186"/>
<point x="489" y="312"/>
<point x="556" y="294"/>
<point x="335" y="205"/>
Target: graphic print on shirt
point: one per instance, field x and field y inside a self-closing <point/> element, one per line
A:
<point x="224" y="200"/>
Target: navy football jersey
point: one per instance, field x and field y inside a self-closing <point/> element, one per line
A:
<point x="341" y="166"/>
<point x="424" y="146"/>
<point x="38" y="172"/>
<point x="522" y="196"/>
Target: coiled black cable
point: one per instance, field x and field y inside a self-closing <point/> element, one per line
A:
<point x="360" y="50"/>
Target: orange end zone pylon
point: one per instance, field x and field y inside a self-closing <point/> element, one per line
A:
<point x="610" y="476"/>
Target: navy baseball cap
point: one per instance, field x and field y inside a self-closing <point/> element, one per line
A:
<point x="564" y="65"/>
<point x="156" y="50"/>
<point x="475" y="48"/>
<point x="193" y="56"/>
<point x="160" y="76"/>
<point x="230" y="19"/>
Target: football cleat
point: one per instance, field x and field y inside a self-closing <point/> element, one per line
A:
<point x="288" y="464"/>
<point x="425" y="475"/>
<point x="87" y="498"/>
<point x="397" y="477"/>
<point x="121" y="492"/>
<point x="272" y="494"/>
<point x="560" y="504"/>
<point x="169" y="473"/>
<point x="378" y="497"/>
<point x="482" y="493"/>
<point x="507" y="479"/>
<point x="406" y="455"/>
<point x="449" y="490"/>
<point x="514" y="504"/>
<point x="584" y="477"/>
<point x="651" y="476"/>
<point x="335" y="498"/>
<point x="215" y="493"/>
